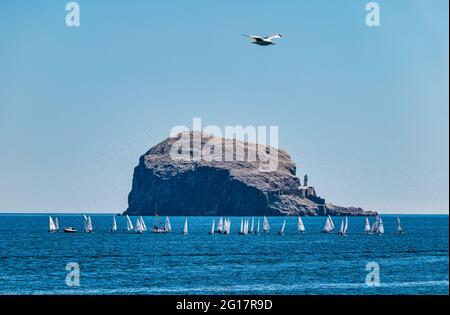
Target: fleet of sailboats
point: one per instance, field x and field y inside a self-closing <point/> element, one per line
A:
<point x="224" y="226"/>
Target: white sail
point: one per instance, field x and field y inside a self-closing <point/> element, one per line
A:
<point x="144" y="226"/>
<point x="89" y="227"/>
<point x="266" y="226"/>
<point x="380" y="229"/>
<point x="257" y="227"/>
<point x="56" y="224"/>
<point x="51" y="225"/>
<point x="212" y="227"/>
<point x="282" y="227"/>
<point x="185" y="228"/>
<point x="346" y="225"/>
<point x="241" y="229"/>
<point x="328" y="226"/>
<point x="220" y="225"/>
<point x="246" y="227"/>
<point x="374" y="225"/>
<point x="367" y="226"/>
<point x="253" y="223"/>
<point x="167" y="225"/>
<point x="138" y="228"/>
<point x="227" y="226"/>
<point x="114" y="225"/>
<point x="341" y="229"/>
<point x="399" y="227"/>
<point x="300" y="225"/>
<point x="331" y="223"/>
<point x="129" y="224"/>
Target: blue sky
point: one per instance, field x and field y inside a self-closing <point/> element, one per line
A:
<point x="363" y="111"/>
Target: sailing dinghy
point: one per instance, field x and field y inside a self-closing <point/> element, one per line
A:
<point x="367" y="226"/>
<point x="399" y="227"/>
<point x="329" y="226"/>
<point x="281" y="231"/>
<point x="212" y="228"/>
<point x="380" y="228"/>
<point x="266" y="226"/>
<point x="129" y="224"/>
<point x="114" y="225"/>
<point x="300" y="225"/>
<point x="51" y="225"/>
<point x="185" y="228"/>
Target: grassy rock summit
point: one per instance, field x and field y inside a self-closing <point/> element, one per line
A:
<point x="192" y="186"/>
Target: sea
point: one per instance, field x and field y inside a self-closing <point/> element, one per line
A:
<point x="33" y="261"/>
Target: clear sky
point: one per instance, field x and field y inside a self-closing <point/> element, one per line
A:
<point x="363" y="111"/>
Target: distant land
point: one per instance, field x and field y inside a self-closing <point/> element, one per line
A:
<point x="164" y="186"/>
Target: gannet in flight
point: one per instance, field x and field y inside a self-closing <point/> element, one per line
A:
<point x="263" y="41"/>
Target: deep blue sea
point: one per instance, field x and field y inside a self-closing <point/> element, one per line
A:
<point x="33" y="261"/>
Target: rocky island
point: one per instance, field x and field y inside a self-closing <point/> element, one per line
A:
<point x="163" y="185"/>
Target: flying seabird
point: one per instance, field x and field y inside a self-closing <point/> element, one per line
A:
<point x="263" y="41"/>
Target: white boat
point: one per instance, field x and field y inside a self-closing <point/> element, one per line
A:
<point x="242" y="227"/>
<point x="266" y="226"/>
<point x="281" y="231"/>
<point x="343" y="228"/>
<point x="88" y="228"/>
<point x="399" y="226"/>
<point x="253" y="223"/>
<point x="144" y="226"/>
<point x="185" y="228"/>
<point x="226" y="226"/>
<point x="212" y="228"/>
<point x="167" y="225"/>
<point x="329" y="225"/>
<point x="166" y="229"/>
<point x="51" y="225"/>
<point x="56" y="224"/>
<point x="138" y="228"/>
<point x="300" y="225"/>
<point x="374" y="227"/>
<point x="69" y="230"/>
<point x="220" y="226"/>
<point x="246" y="227"/>
<point x="380" y="228"/>
<point x="129" y="224"/>
<point x="114" y="225"/>
<point x="367" y="226"/>
<point x="257" y="228"/>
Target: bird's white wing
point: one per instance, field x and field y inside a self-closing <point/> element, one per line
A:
<point x="269" y="38"/>
<point x="253" y="36"/>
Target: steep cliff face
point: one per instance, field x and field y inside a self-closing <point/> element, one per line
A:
<point x="168" y="186"/>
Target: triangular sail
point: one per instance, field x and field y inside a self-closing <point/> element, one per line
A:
<point x="282" y="227"/>
<point x="331" y="223"/>
<point x="367" y="226"/>
<point x="380" y="229"/>
<point x="266" y="226"/>
<point x="212" y="227"/>
<point x="220" y="225"/>
<point x="246" y="227"/>
<point x="241" y="229"/>
<point x="56" y="224"/>
<point x="138" y="228"/>
<point x="253" y="223"/>
<point x="328" y="225"/>
<point x="257" y="227"/>
<point x="144" y="226"/>
<point x="51" y="225"/>
<point x="114" y="224"/>
<point x="399" y="227"/>
<point x="346" y="225"/>
<point x="167" y="225"/>
<point x="89" y="228"/>
<point x="341" y="229"/>
<point x="129" y="224"/>
<point x="300" y="225"/>
<point x="185" y="228"/>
